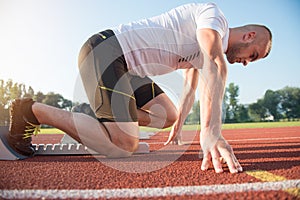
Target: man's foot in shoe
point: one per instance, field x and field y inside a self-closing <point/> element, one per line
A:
<point x="23" y="124"/>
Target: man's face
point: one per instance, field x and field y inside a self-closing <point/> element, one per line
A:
<point x="243" y="53"/>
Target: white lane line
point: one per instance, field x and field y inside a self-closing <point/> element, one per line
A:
<point x="150" y="192"/>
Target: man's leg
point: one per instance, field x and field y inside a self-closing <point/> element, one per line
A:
<point x="90" y="132"/>
<point x="155" y="109"/>
<point x="103" y="72"/>
<point x="160" y="112"/>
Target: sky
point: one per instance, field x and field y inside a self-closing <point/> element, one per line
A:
<point x="40" y="40"/>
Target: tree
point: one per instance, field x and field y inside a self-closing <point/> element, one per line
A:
<point x="271" y="102"/>
<point x="290" y="102"/>
<point x="257" y="111"/>
<point x="29" y="93"/>
<point x="15" y="91"/>
<point x="67" y="104"/>
<point x="232" y="93"/>
<point x="10" y="91"/>
<point x="194" y="116"/>
<point x="4" y="114"/>
<point x="242" y="114"/>
<point x="3" y="99"/>
<point x="53" y="99"/>
<point x="57" y="100"/>
<point x="39" y="97"/>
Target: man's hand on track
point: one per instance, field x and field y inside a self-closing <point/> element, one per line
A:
<point x="221" y="152"/>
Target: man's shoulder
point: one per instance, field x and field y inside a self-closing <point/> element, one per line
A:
<point x="195" y="5"/>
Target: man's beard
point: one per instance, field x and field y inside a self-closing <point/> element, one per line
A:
<point x="234" y="50"/>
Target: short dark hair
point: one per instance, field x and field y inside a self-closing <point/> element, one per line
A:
<point x="270" y="40"/>
<point x="258" y="26"/>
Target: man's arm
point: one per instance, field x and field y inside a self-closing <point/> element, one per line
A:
<point x="186" y="102"/>
<point x="212" y="86"/>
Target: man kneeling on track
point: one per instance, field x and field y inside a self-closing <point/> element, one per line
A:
<point x="115" y="64"/>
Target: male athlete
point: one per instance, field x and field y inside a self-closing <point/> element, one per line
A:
<point x="115" y="64"/>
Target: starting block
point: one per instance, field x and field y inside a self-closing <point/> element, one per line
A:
<point x="67" y="146"/>
<point x="6" y="152"/>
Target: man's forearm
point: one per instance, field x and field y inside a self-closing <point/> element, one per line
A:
<point x="185" y="106"/>
<point x="212" y="88"/>
<point x="213" y="79"/>
<point x="212" y="84"/>
<point x="191" y="77"/>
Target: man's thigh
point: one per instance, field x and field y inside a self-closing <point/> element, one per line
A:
<point x="106" y="80"/>
<point x="161" y="106"/>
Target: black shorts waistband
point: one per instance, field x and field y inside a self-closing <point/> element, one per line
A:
<point x="106" y="34"/>
<point x="94" y="41"/>
<point x="97" y="38"/>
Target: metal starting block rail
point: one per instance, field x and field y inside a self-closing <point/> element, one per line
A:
<point x="61" y="149"/>
<point x="76" y="149"/>
<point x="68" y="146"/>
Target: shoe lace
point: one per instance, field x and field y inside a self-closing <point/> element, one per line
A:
<point x="31" y="129"/>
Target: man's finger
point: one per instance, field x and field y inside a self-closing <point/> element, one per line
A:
<point x="172" y="135"/>
<point x="205" y="161"/>
<point x="237" y="164"/>
<point x="170" y="139"/>
<point x="216" y="161"/>
<point x="229" y="157"/>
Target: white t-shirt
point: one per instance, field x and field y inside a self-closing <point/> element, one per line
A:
<point x="167" y="42"/>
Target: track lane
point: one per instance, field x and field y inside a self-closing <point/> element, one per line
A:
<point x="277" y="156"/>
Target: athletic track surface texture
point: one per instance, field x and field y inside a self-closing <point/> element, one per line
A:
<point x="270" y="159"/>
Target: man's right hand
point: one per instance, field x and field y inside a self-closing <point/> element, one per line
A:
<point x="220" y="150"/>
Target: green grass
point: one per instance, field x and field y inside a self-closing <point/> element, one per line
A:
<point x="236" y="126"/>
<point x="261" y="125"/>
<point x="197" y="127"/>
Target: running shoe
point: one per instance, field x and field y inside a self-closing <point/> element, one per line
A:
<point x="23" y="124"/>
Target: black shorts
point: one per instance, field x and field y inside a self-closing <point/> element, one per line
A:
<point x="114" y="94"/>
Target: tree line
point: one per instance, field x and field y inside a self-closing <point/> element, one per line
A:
<point x="10" y="91"/>
<point x="283" y="104"/>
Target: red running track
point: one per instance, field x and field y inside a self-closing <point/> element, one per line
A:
<point x="171" y="172"/>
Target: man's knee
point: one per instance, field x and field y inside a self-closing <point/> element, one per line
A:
<point x="124" y="137"/>
<point x="171" y="119"/>
<point x="123" y="148"/>
<point x="129" y="144"/>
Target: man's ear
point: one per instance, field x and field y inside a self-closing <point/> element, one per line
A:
<point x="249" y="36"/>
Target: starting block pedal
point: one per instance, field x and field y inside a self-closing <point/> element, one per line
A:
<point x="6" y="152"/>
<point x="68" y="146"/>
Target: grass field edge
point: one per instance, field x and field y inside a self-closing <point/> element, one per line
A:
<point x="197" y="127"/>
